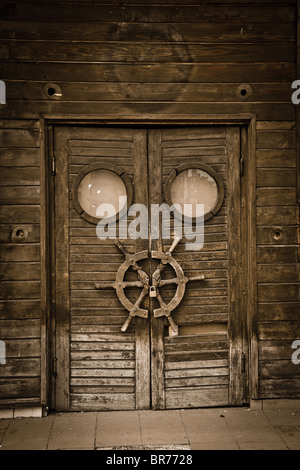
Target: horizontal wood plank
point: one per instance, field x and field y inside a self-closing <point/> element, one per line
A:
<point x="279" y="292"/>
<point x="157" y="73"/>
<point x="16" y="367"/>
<point x="21" y="328"/>
<point x="278" y="311"/>
<point x="277" y="254"/>
<point x="20" y="309"/>
<point x="19" y="253"/>
<point x="197" y="397"/>
<point x="143" y="52"/>
<point x="271" y="332"/>
<point x="21" y="387"/>
<point x="111" y="91"/>
<point x="153" y="13"/>
<point x="19" y="138"/>
<point x="201" y="32"/>
<point x="278" y="388"/>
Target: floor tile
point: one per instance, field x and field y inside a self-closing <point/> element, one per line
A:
<point x="3" y="428"/>
<point x="27" y="434"/>
<point x="215" y="445"/>
<point x="118" y="420"/>
<point x="215" y="436"/>
<point x="258" y="445"/>
<point x="277" y="417"/>
<point x="73" y="430"/>
<point x="114" y="438"/>
<point x="154" y="419"/>
<point x="164" y="435"/>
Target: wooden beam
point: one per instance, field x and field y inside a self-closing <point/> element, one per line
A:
<point x="298" y="107"/>
<point x="142" y="394"/>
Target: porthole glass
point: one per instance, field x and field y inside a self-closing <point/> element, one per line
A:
<point x="193" y="187"/>
<point x="101" y="184"/>
<point x="100" y="187"/>
<point x="192" y="184"/>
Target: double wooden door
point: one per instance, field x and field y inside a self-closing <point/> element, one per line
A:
<point x="95" y="365"/>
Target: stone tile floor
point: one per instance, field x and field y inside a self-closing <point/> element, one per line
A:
<point x="194" y="429"/>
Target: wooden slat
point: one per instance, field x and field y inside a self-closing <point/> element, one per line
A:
<point x="197" y="397"/>
<point x="284" y="215"/>
<point x="276" y="197"/>
<point x="196" y="356"/>
<point x="195" y="382"/>
<point x="96" y="110"/>
<point x="102" y="401"/>
<point x="278" y="388"/>
<point x="20" y="309"/>
<point x="276" y="178"/>
<point x="104" y="346"/>
<point x="278" y="311"/>
<point x="16" y="367"/>
<point x="275" y="350"/>
<point x="20" y="290"/>
<point x="98" y="382"/>
<point x="28" y="387"/>
<point x="19" y="138"/>
<point x="205" y="73"/>
<point x="279" y="369"/>
<point x="280" y="273"/>
<point x="33" y="231"/>
<point x="98" y="31"/>
<point x="281" y="139"/>
<point x="23" y="348"/>
<point x="100" y="373"/>
<point x="19" y="253"/>
<point x="277" y="254"/>
<point x="270" y="331"/>
<point x="191" y="92"/>
<point x="155" y="14"/>
<point x="274" y="158"/>
<point x="19" y="176"/>
<point x="12" y="157"/>
<point x="13" y="329"/>
<point x="143" y="52"/>
<point x="279" y="292"/>
<point x="100" y="355"/>
<point x="278" y="235"/>
<point x="16" y="194"/>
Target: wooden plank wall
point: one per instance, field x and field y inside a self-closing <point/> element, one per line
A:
<point x="152" y="58"/>
<point x="20" y="297"/>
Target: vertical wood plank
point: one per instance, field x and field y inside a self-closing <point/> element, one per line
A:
<point x="235" y="266"/>
<point x="157" y="324"/>
<point x="245" y="260"/>
<point x="298" y="107"/>
<point x="142" y="336"/>
<point x="62" y="320"/>
<point x="45" y="293"/>
<point x="250" y="177"/>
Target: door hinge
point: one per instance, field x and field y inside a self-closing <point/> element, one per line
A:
<point x="242" y="166"/>
<point x="54" y="366"/>
<point x="243" y="363"/>
<point x="53" y="166"/>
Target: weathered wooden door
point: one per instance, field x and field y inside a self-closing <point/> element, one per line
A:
<point x="96" y="365"/>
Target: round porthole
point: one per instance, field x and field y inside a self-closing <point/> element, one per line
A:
<point x="194" y="183"/>
<point x="101" y="183"/>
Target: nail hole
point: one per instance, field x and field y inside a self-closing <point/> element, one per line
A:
<point x="243" y="92"/>
<point x="51" y="91"/>
<point x="20" y="233"/>
<point x="277" y="234"/>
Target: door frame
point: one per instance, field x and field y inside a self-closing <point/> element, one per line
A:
<point x="248" y="246"/>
